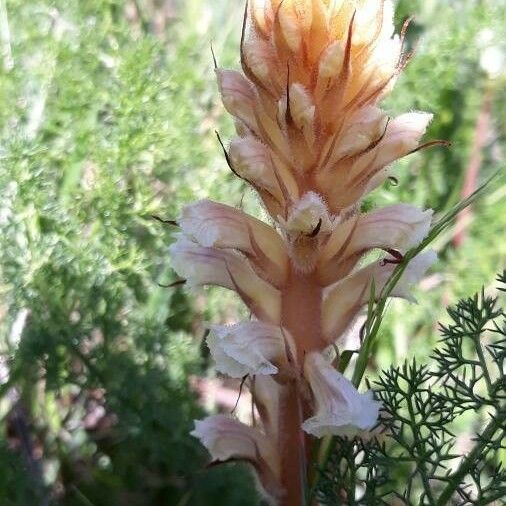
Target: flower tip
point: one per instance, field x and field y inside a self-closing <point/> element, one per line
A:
<point x="421" y="230"/>
<point x="420" y="264"/>
<point x="193" y="222"/>
<point x="415" y="271"/>
<point x="419" y="120"/>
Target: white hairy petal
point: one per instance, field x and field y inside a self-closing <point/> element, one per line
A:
<point x="306" y="214"/>
<point x="400" y="227"/>
<point x="252" y="347"/>
<point x="402" y="136"/>
<point x="238" y="96"/>
<point x="340" y="408"/>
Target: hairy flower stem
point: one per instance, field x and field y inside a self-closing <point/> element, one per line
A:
<point x="301" y="312"/>
<point x="301" y="309"/>
<point x="292" y="446"/>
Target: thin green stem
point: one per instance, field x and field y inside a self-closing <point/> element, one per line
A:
<point x="476" y="336"/>
<point x="486" y="374"/>
<point x="467" y="463"/>
<point x="81" y="497"/>
<point x="500" y="494"/>
<point x="421" y="451"/>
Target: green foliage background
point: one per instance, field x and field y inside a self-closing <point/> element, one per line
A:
<point x="108" y="115"/>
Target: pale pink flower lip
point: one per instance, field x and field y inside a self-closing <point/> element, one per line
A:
<point x="340" y="408"/>
<point x="212" y="224"/>
<point x="238" y="96"/>
<point x="309" y="223"/>
<point x="397" y="227"/>
<point x="226" y="438"/>
<point x="250" y="348"/>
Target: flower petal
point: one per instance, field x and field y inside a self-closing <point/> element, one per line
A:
<point x="302" y="107"/>
<point x="266" y="393"/>
<point x="260" y="64"/>
<point x="227" y="439"/>
<point x="344" y="299"/>
<point x="340" y="408"/>
<point x="306" y="214"/>
<point x="398" y="227"/>
<point x="403" y="136"/>
<point x="238" y="96"/>
<point x="210" y="266"/>
<point x="290" y="26"/>
<point x="348" y="179"/>
<point x="217" y="225"/>
<point x="253" y="161"/>
<point x="252" y="347"/>
<point x="364" y="129"/>
<point x="331" y="63"/>
<point x="262" y="16"/>
<point x="401" y="226"/>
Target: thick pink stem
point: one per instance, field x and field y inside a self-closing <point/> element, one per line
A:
<point x="292" y="447"/>
<point x="301" y="315"/>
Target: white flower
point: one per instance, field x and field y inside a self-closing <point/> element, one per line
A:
<point x="254" y="162"/>
<point x="309" y="223"/>
<point x="366" y="126"/>
<point x="309" y="213"/>
<point x="238" y="96"/>
<point x="402" y="137"/>
<point x="340" y="408"/>
<point x="302" y="107"/>
<point x="249" y="348"/>
<point x="331" y="62"/>
<point x="493" y="62"/>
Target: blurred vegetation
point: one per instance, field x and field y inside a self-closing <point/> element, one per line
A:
<point x="108" y="115"/>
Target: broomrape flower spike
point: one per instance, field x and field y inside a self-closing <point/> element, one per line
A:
<point x="312" y="141"/>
